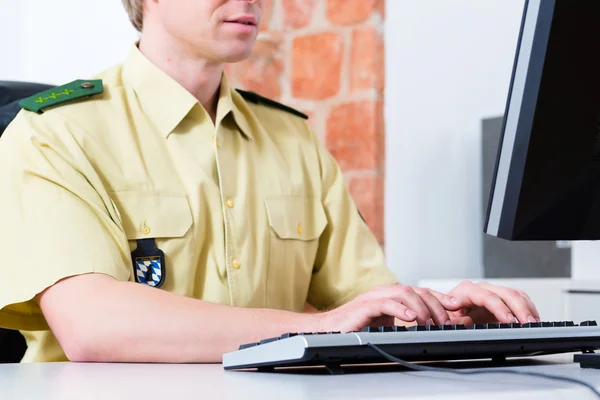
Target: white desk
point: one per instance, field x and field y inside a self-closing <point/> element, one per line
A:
<point x="66" y="381"/>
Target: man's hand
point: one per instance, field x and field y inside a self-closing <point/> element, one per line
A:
<point x="484" y="302"/>
<point x="466" y="304"/>
<point x="380" y="306"/>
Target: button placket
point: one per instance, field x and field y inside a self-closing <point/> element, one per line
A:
<point x="224" y="160"/>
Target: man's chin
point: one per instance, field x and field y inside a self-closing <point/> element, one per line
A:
<point x="235" y="55"/>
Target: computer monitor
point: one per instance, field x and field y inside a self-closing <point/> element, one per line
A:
<point x="547" y="178"/>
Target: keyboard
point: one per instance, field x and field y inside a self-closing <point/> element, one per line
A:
<point x="416" y="343"/>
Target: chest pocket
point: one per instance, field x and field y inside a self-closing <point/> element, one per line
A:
<point x="167" y="218"/>
<point x="153" y="215"/>
<point x="296" y="223"/>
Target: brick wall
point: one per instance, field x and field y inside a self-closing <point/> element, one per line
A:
<point x="325" y="57"/>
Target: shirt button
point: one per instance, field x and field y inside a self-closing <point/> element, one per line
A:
<point x="235" y="263"/>
<point x="229" y="203"/>
<point x="299" y="229"/>
<point x="146" y="230"/>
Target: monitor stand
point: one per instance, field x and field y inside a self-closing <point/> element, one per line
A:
<point x="588" y="359"/>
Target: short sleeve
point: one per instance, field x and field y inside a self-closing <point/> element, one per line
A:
<point x="57" y="219"/>
<point x="349" y="260"/>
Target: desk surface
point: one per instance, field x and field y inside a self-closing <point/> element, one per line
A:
<point x="67" y="381"/>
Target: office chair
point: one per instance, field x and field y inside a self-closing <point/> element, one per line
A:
<point x="10" y="95"/>
<point x="12" y="343"/>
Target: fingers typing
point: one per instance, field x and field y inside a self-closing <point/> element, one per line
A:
<point x="436" y="309"/>
<point x="519" y="305"/>
<point x="475" y="295"/>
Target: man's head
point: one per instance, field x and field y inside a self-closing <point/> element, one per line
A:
<point x="217" y="30"/>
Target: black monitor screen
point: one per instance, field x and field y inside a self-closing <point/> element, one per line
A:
<point x="547" y="177"/>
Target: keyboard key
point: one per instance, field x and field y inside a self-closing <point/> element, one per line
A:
<point x="532" y="325"/>
<point x="561" y="324"/>
<point x="588" y="323"/>
<point x="386" y="329"/>
<point x="247" y="346"/>
<point x="493" y="326"/>
<point x="515" y="325"/>
<point x="417" y="328"/>
<point x="547" y="324"/>
<point x="434" y="327"/>
<point x="506" y="326"/>
<point x="369" y="329"/>
<point x="455" y="327"/>
<point x="288" y="335"/>
<point x="400" y="329"/>
<point x="269" y="340"/>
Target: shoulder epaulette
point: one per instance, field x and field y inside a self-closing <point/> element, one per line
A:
<point x="62" y="94"/>
<point x="258" y="99"/>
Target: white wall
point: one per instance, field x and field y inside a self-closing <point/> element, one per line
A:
<point x="585" y="262"/>
<point x="448" y="66"/>
<point x="59" y="41"/>
<point x="11" y="51"/>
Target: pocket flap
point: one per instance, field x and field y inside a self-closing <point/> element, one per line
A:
<point x="153" y="215"/>
<point x="295" y="217"/>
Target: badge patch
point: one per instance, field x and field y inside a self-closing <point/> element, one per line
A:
<point x="148" y="270"/>
<point x="148" y="263"/>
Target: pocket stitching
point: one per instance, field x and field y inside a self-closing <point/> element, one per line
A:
<point x="288" y="230"/>
<point x="136" y="208"/>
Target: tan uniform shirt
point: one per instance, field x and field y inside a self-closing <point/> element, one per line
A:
<point x="249" y="211"/>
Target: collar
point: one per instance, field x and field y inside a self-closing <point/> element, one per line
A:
<point x="168" y="103"/>
<point x="231" y="101"/>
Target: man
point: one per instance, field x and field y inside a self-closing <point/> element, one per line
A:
<point x="155" y="214"/>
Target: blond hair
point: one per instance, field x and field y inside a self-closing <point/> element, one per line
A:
<point x="135" y="9"/>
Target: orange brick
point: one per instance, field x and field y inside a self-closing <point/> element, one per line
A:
<point x="298" y="13"/>
<point x="348" y="12"/>
<point x="316" y="65"/>
<point x="367" y="68"/>
<point x="368" y="194"/>
<point x="261" y="72"/>
<point x="355" y="135"/>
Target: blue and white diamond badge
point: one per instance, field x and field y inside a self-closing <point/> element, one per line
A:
<point x="149" y="267"/>
<point x="149" y="271"/>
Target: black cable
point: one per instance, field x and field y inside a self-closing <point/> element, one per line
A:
<point x="418" y="367"/>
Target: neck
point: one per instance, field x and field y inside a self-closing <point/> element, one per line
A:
<point x="199" y="76"/>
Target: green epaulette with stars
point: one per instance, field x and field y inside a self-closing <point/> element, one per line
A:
<point x="62" y="94"/>
<point x="258" y="99"/>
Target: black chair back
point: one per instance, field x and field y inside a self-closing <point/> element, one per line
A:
<point x="12" y="346"/>
<point x="10" y="95"/>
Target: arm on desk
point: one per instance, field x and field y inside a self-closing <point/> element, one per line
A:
<point x="99" y="319"/>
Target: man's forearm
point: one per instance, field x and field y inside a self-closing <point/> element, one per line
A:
<point x="126" y="322"/>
